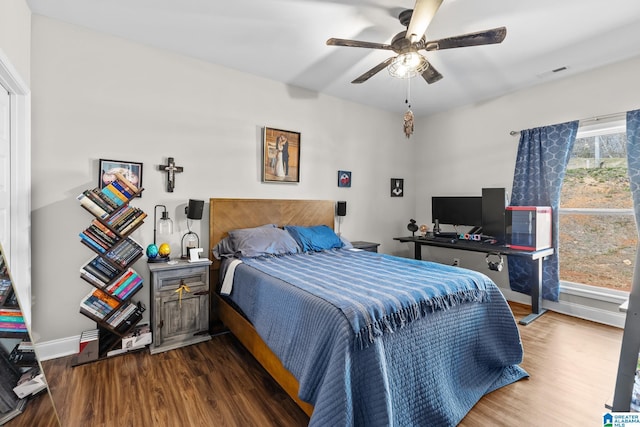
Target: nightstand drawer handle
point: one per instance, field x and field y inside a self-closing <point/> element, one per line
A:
<point x="182" y="288"/>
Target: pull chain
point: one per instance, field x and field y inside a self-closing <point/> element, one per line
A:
<point x="408" y="116"/>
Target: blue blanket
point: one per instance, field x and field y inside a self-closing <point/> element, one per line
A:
<point x="431" y="371"/>
<point x="407" y="290"/>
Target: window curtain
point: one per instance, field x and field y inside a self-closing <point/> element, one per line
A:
<point x="543" y="154"/>
<point x="633" y="159"/>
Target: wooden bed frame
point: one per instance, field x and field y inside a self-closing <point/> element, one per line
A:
<point x="230" y="214"/>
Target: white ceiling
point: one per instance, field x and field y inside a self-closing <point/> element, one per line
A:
<point x="284" y="40"/>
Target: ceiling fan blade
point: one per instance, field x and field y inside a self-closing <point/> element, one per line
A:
<point x="356" y="43"/>
<point x="423" y="13"/>
<point x="366" y="76"/>
<point x="431" y="75"/>
<point x="493" y="36"/>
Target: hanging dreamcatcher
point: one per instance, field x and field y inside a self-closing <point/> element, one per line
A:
<point x="408" y="116"/>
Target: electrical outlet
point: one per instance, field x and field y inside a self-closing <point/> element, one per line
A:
<point x="456" y="262"/>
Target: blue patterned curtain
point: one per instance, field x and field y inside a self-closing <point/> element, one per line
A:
<point x="542" y="160"/>
<point x="633" y="159"/>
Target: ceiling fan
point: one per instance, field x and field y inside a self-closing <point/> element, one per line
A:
<point x="409" y="62"/>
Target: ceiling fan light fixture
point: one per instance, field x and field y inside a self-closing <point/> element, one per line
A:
<point x="408" y="65"/>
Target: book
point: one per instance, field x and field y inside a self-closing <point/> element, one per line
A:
<point x="96" y="239"/>
<point x="91" y="206"/>
<point x="5" y="290"/>
<point x="86" y="239"/>
<point x="133" y="224"/>
<point x="122" y="189"/>
<point x="96" y="231"/>
<point x="116" y="192"/>
<point x="98" y="201"/>
<point x="99" y="194"/>
<point x="92" y="279"/>
<point x="128" y="219"/>
<point x="131" y="287"/>
<point x="109" y="193"/>
<point x="106" y="230"/>
<point x="126" y="182"/>
<point x="121" y="282"/>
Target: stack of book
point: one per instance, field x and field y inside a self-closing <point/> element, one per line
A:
<point x="89" y="346"/>
<point x="125" y="317"/>
<point x="103" y="202"/>
<point x="23" y="354"/>
<point x="125" y="252"/>
<point x="11" y="321"/>
<point x="126" y="219"/>
<point x="126" y="285"/>
<point x="5" y="290"/>
<point x="98" y="304"/>
<point x="98" y="272"/>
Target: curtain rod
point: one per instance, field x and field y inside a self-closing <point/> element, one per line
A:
<point x="590" y="119"/>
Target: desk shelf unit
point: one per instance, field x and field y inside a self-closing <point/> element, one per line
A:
<point x="108" y="271"/>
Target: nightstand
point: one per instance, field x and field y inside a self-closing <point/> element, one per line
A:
<point x="366" y="246"/>
<point x="179" y="304"/>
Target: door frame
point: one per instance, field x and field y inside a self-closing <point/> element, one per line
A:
<point x="19" y="255"/>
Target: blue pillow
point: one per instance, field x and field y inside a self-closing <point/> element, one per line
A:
<point x="253" y="242"/>
<point x="315" y="238"/>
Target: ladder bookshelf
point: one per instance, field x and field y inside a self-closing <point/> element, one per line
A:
<point x="109" y="270"/>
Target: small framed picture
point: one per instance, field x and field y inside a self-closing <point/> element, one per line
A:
<point x="280" y="155"/>
<point x="131" y="170"/>
<point x="397" y="187"/>
<point x="344" y="179"/>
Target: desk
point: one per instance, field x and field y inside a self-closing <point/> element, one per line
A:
<point x="469" y="245"/>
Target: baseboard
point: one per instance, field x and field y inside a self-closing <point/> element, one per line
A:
<point x="581" y="311"/>
<point x="55" y="349"/>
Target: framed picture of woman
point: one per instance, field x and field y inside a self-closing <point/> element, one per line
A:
<point x="108" y="168"/>
<point x="280" y="155"/>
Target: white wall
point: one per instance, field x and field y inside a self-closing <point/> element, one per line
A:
<point x="97" y="96"/>
<point x="15" y="35"/>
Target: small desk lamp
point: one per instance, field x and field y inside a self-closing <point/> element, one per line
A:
<point x="190" y="240"/>
<point x="165" y="226"/>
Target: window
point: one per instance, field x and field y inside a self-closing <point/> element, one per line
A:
<point x="598" y="235"/>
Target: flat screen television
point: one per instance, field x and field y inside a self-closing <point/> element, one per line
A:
<point x="457" y="210"/>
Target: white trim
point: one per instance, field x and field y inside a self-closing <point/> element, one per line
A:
<point x="582" y="311"/>
<point x="20" y="211"/>
<point x="54" y="349"/>
<point x="593" y="292"/>
<point x="607" y="317"/>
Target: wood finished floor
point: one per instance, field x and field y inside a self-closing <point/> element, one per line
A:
<point x="572" y="363"/>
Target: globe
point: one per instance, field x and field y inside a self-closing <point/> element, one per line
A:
<point x="152" y="251"/>
<point x="164" y="250"/>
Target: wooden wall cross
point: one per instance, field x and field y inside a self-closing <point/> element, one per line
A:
<point x="171" y="170"/>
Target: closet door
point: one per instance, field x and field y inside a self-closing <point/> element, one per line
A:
<point x="5" y="170"/>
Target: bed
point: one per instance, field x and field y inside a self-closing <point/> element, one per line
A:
<point x="430" y="367"/>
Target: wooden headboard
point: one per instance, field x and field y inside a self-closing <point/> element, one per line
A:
<point x="231" y="214"/>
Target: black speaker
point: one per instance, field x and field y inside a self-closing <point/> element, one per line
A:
<point x="194" y="210"/>
<point x="341" y="208"/>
